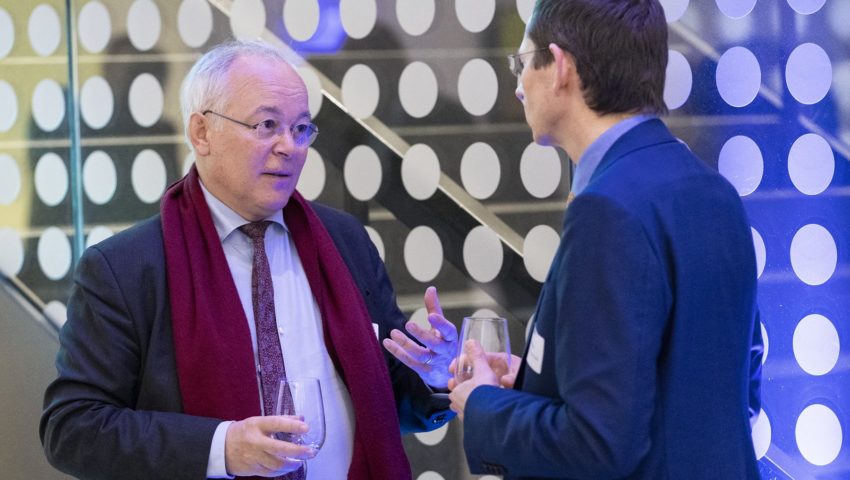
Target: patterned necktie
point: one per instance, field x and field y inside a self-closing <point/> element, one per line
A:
<point x="272" y="369"/>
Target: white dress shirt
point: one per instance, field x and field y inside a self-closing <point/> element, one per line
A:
<point x="299" y="326"/>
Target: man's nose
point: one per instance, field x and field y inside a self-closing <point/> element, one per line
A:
<point x="520" y="94"/>
<point x="284" y="143"/>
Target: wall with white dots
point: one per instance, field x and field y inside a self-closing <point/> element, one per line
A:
<point x="420" y="127"/>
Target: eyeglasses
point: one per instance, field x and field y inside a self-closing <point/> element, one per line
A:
<point x="515" y="61"/>
<point x="302" y="133"/>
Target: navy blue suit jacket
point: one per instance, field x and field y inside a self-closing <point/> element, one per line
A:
<point x="115" y="409"/>
<point x="644" y="358"/>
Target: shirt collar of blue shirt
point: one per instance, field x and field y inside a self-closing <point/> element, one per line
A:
<point x="596" y="151"/>
<point x="226" y="220"/>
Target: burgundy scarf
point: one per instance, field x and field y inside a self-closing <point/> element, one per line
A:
<point x="212" y="344"/>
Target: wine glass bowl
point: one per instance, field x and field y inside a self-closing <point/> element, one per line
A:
<point x="302" y="397"/>
<point x="491" y="333"/>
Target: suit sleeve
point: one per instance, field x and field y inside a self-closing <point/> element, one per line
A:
<point x="610" y="297"/>
<point x="90" y="427"/>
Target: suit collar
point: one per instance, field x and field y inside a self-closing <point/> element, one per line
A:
<point x="649" y="133"/>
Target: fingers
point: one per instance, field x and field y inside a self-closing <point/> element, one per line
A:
<point x="405" y="349"/>
<point x="251" y="450"/>
<point x="432" y="301"/>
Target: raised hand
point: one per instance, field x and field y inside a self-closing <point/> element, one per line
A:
<point x="432" y="361"/>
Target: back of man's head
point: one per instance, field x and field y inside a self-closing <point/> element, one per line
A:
<point x="619" y="47"/>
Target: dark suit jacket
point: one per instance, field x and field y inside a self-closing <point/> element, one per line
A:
<point x="115" y="409"/>
<point x="648" y="321"/>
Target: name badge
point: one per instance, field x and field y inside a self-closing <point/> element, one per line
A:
<point x="535" y="352"/>
<point x="377" y="332"/>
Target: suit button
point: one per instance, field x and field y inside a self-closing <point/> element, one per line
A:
<point x="439" y="419"/>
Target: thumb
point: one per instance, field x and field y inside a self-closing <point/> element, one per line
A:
<point x="477" y="354"/>
<point x="432" y="301"/>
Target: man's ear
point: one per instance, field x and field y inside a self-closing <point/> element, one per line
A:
<point x="564" y="68"/>
<point x="198" y="131"/>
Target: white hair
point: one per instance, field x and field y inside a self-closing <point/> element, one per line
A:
<point x="203" y="88"/>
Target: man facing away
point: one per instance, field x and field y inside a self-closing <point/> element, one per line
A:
<point x="180" y="327"/>
<point x="644" y="355"/>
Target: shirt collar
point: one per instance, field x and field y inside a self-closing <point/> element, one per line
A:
<point x="226" y="220"/>
<point x="594" y="154"/>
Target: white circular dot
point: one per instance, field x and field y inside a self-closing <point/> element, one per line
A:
<point x="195" y="22"/>
<point x="761" y="435"/>
<point x="415" y="16"/>
<point x="811" y="164"/>
<point x="819" y="434"/>
<point x="524" y="8"/>
<point x="539" y="249"/>
<point x="420" y="171"/>
<point x="44" y="29"/>
<point x="680" y="80"/>
<point x="54" y="253"/>
<point x="736" y="8"/>
<point x="143" y="24"/>
<point x="423" y="254"/>
<point x="475" y="15"/>
<point x="48" y="105"/>
<point x="187" y="163"/>
<point x="484" y="312"/>
<point x="430" y="475"/>
<point x="98" y="234"/>
<point x="362" y="172"/>
<point x="766" y="341"/>
<point x="96" y="102"/>
<point x="358" y="17"/>
<point x="360" y="91"/>
<point x="761" y="252"/>
<point x="417" y="89"/>
<point x="420" y="317"/>
<point x="301" y="19"/>
<point x="480" y="171"/>
<point x="813" y="254"/>
<point x="247" y="19"/>
<point x="816" y="344"/>
<point x="146" y="100"/>
<point x="838" y="18"/>
<point x="57" y="312"/>
<point x="741" y="162"/>
<point x="7" y="33"/>
<point x="148" y="176"/>
<point x="11" y="252"/>
<point x="738" y="76"/>
<point x="314" y="89"/>
<point x="434" y="436"/>
<point x="10" y="179"/>
<point x="477" y="87"/>
<point x="99" y="177"/>
<point x="95" y="27"/>
<point x="376" y="240"/>
<point x="540" y="170"/>
<point x="808" y="73"/>
<point x="806" y="7"/>
<point x="9" y="112"/>
<point x="482" y="254"/>
<point x="312" y="179"/>
<point x="489" y="477"/>
<point x="674" y="9"/>
<point x="51" y="179"/>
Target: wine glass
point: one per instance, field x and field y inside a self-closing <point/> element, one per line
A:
<point x="491" y="333"/>
<point x="302" y="397"/>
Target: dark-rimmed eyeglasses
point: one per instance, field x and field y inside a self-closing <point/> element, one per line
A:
<point x="515" y="61"/>
<point x="303" y="133"/>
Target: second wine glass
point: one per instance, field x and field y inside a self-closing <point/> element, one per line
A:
<point x="491" y="333"/>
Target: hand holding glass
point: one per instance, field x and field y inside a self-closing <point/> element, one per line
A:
<point x="302" y="397"/>
<point x="491" y="333"/>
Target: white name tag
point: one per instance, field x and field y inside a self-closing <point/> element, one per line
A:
<point x="535" y="352"/>
<point x="377" y="332"/>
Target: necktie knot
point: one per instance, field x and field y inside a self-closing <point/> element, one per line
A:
<point x="256" y="231"/>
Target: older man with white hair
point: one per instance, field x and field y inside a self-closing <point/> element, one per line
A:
<point x="180" y="328"/>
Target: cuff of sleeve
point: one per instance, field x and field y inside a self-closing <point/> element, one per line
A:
<point x="216" y="467"/>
